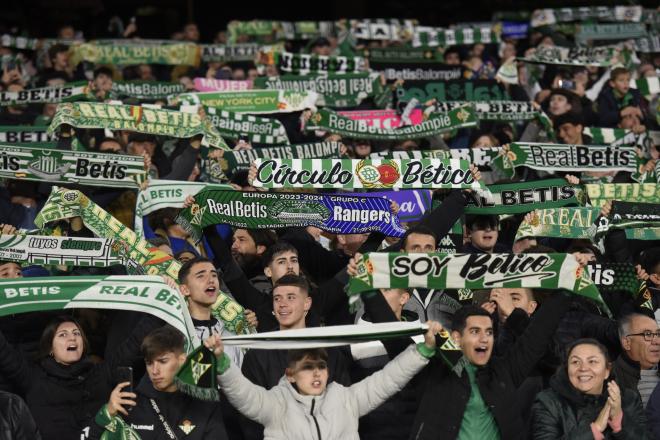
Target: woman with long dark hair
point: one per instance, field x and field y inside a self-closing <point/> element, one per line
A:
<point x="64" y="388"/>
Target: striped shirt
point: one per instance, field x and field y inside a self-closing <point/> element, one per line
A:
<point x="647" y="381"/>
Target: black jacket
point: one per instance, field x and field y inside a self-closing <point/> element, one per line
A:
<point x="439" y="417"/>
<point x="563" y="412"/>
<point x="16" y="422"/>
<point x="64" y="398"/>
<point x="202" y="420"/>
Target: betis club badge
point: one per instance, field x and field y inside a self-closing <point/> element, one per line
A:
<point x="384" y="175"/>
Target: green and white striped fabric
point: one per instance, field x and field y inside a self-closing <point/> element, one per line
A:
<point x="649" y="86"/>
<point x="495" y="110"/>
<point x="603" y="136"/>
<point x="380" y="270"/>
<point x="372" y="174"/>
<point x="544" y="17"/>
<point x="258" y="130"/>
<point x="432" y="37"/>
<point x="7" y="40"/>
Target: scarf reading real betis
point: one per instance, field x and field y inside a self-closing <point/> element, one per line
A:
<point x="471" y="271"/>
<point x="365" y="173"/>
<point x="147" y="294"/>
<point x="332" y="122"/>
<point x="237" y="125"/>
<point x="561" y="223"/>
<point x="93" y="169"/>
<point x="251" y="101"/>
<point x="599" y="194"/>
<point x="136" y="118"/>
<point x="337" y="214"/>
<point x="132" y="53"/>
<point x="64" y="203"/>
<point x="514" y="198"/>
<point x="161" y="194"/>
<point x="236" y="160"/>
<point x="345" y="90"/>
<point x="28" y="136"/>
<point x="552" y="157"/>
<point x="68" y="92"/>
<point x="496" y="110"/>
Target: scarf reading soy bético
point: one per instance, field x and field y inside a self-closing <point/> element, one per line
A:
<point x="364" y="173"/>
<point x="327" y="120"/>
<point x="237" y="125"/>
<point x="51" y="165"/>
<point x="601" y="193"/>
<point x="236" y="160"/>
<point x="67" y="251"/>
<point x="132" y="53"/>
<point x="544" y="17"/>
<point x="146" y="90"/>
<point x="338" y="214"/>
<point x="65" y="93"/>
<point x="251" y="101"/>
<point x="136" y="118"/>
<point x="336" y="90"/>
<point x="146" y="294"/>
<point x="552" y="157"/>
<point x="433" y="37"/>
<point x="574" y="56"/>
<point x="64" y="203"/>
<point x="377" y="270"/>
<point x="161" y="194"/>
<point x="514" y="198"/>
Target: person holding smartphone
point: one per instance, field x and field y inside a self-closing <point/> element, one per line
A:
<point x="156" y="410"/>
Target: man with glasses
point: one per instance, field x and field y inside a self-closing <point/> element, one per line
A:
<point x="637" y="366"/>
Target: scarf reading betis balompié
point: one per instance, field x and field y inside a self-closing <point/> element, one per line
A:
<point x="147" y="90"/>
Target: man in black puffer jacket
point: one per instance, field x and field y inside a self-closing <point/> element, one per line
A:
<point x="16" y="422"/>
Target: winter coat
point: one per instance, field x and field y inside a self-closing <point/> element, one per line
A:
<point x="16" y="422"/>
<point x="333" y="415"/>
<point x="563" y="412"/>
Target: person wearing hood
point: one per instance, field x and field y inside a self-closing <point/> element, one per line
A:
<point x="304" y="404"/>
<point x="581" y="403"/>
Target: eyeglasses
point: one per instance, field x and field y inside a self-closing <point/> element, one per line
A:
<point x="648" y="335"/>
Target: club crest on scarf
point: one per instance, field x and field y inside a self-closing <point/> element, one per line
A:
<point x="384" y="175"/>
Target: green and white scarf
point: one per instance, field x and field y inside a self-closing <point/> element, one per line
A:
<point x="27" y="135"/>
<point x="365" y="173"/>
<point x="22" y="43"/>
<point x="345" y="90"/>
<point x="503" y="111"/>
<point x="600" y="193"/>
<point x="481" y="157"/>
<point x="67" y="251"/>
<point x="146" y="90"/>
<point x="237" y="160"/>
<point x="544" y="17"/>
<point x="237" y="125"/>
<point x="514" y="198"/>
<point x="229" y="52"/>
<point x="553" y="157"/>
<point x="402" y="55"/>
<point x="615" y="277"/>
<point x="250" y="101"/>
<point x="648" y="44"/>
<point x="94" y="169"/>
<point x="304" y="64"/>
<point x="609" y="31"/>
<point x="561" y="223"/>
<point x="609" y="136"/>
<point x="332" y="122"/>
<point x="337" y="214"/>
<point x="647" y="87"/>
<point x="161" y="194"/>
<point x="136" y="118"/>
<point x="64" y="203"/>
<point x="455" y="90"/>
<point x="573" y="56"/>
<point x="132" y="53"/>
<point x="147" y="294"/>
<point x="432" y="37"/>
<point x="471" y="271"/>
<point x="115" y="428"/>
<point x="641" y="221"/>
<point x="66" y="93"/>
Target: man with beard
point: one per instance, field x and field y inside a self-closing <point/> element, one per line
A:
<point x="248" y="247"/>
